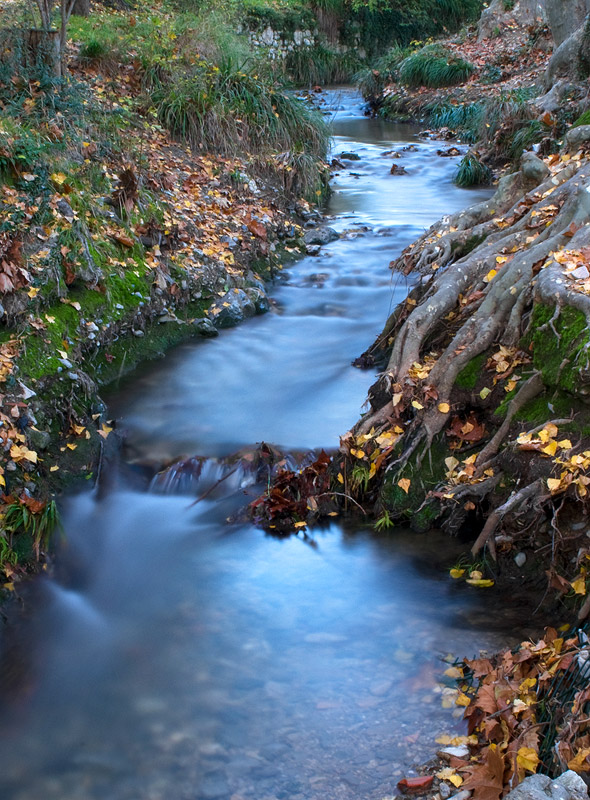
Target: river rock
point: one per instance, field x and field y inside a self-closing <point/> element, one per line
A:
<point x="444" y="790"/>
<point x="259" y="298"/>
<point x="313" y="249"/>
<point x="232" y="308"/>
<point x="39" y="440"/>
<point x="350" y="156"/>
<point x="568" y="786"/>
<point x="447" y="753"/>
<point x="321" y="236"/>
<point x="205" y="327"/>
<point x="397" y="169"/>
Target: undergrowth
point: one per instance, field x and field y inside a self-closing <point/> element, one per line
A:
<point x="434" y="67"/>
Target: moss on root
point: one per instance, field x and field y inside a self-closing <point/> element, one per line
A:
<point x="561" y="359"/>
<point x="423" y="477"/>
<point x="470" y="374"/>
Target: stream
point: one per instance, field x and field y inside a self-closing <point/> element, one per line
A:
<point x="176" y="657"/>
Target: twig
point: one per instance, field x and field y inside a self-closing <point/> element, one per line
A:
<point x="211" y="488"/>
<point x="347" y="496"/>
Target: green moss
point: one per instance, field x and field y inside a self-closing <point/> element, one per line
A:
<point x="469" y="375"/>
<point x="423" y="478"/>
<point x="560" y="360"/>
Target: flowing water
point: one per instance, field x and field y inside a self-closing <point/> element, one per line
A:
<point x="178" y="657"/>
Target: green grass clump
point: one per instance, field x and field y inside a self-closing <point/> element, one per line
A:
<point x="583" y="119"/>
<point x="434" y="67"/>
<point x="320" y="65"/>
<point x="229" y="111"/>
<point x="472" y="172"/>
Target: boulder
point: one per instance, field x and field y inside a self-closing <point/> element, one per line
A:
<point x="553" y="99"/>
<point x="568" y="786"/>
<point x="576" y="138"/>
<point x="321" y="236"/>
<point x="533" y="171"/>
<point x="232" y="308"/>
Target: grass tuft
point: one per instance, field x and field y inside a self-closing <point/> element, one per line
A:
<point x="434" y="67"/>
<point x="472" y="172"/>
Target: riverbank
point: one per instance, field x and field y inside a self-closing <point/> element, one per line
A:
<point x="121" y="236"/>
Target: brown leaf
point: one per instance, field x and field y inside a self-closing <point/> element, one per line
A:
<point x="257" y="228"/>
<point x="487" y="780"/>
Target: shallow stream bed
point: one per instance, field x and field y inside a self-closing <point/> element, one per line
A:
<point x="180" y="658"/>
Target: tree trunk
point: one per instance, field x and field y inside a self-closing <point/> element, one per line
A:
<point x="81" y="8"/>
<point x="44" y="47"/>
<point x="565" y="17"/>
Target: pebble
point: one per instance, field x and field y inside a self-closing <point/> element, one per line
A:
<point x="461" y="751"/>
<point x="465" y="794"/>
<point x="520" y="559"/>
<point x="444" y="790"/>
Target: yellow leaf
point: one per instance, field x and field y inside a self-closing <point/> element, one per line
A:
<point x="453" y="672"/>
<point x="300" y="525"/>
<point x="417" y="405"/>
<point x="455" y="779"/>
<point x="49" y="318"/>
<point x="490" y="276"/>
<point x="22" y="453"/>
<point x="54" y="468"/>
<point x="565" y="444"/>
<point x="396" y="398"/>
<point x="501" y="259"/>
<point x="451" y="462"/>
<point x="578" y="762"/>
<point x="444" y="408"/>
<point x="485" y="392"/>
<point x="340" y="478"/>
<point x="553" y="484"/>
<point x="71" y="446"/>
<point x="33" y="292"/>
<point x="456" y="573"/>
<point x="579" y="586"/>
<point x="59" y="178"/>
<point x="482" y="583"/>
<point x="476" y="575"/>
<point x="78" y="429"/>
<point x="2" y="481"/>
<point x="551" y="448"/>
<point x="404" y="483"/>
<point x="9" y="586"/>
<point x="462" y="700"/>
<point x="77" y="306"/>
<point x="104" y="430"/>
<point x="527" y="758"/>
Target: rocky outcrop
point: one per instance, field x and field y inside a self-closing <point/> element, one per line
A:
<point x="571" y="60"/>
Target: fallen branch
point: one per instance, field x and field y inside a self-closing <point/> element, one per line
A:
<point x="515" y="501"/>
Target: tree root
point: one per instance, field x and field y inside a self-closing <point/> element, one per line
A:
<point x="527" y="391"/>
<point x="515" y="501"/>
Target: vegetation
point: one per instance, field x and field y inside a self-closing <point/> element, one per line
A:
<point x="471" y="172"/>
<point x="434" y="66"/>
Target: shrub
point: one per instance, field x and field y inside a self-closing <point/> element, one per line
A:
<point x="434" y="66"/>
<point x="320" y="65"/>
<point x="583" y="119"/>
<point x="472" y="172"/>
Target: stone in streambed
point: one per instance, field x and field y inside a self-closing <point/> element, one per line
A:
<point x="205" y="327"/>
<point x="321" y="236"/>
<point x="232" y="308"/>
<point x="259" y="298"/>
